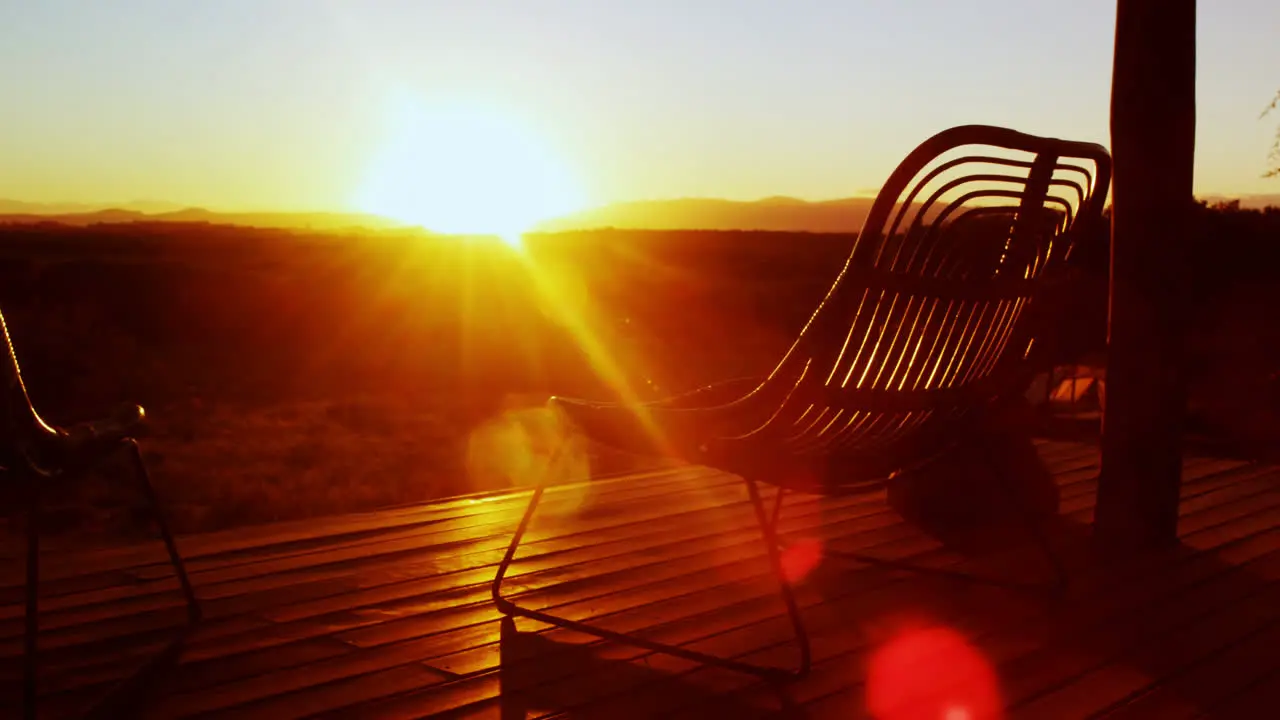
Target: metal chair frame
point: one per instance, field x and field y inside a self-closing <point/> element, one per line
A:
<point x="896" y="257"/>
<point x="39" y="455"/>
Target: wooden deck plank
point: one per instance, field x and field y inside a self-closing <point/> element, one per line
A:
<point x="835" y="675"/>
<point x="437" y="707"/>
<point x="214" y="587"/>
<point x="492" y="516"/>
<point x="296" y="579"/>
<point x="1128" y="595"/>
<point x="473" y="622"/>
<point x="372" y="546"/>
<point x="478" y="592"/>
<point x="76" y="571"/>
<point x="1235" y="619"/>
<point x="838" y="676"/>
<point x="253" y="540"/>
<point x="1211" y="613"/>
<point x="388" y="615"/>
<point x="342" y="565"/>
<point x="80" y="570"/>
<point x="1031" y="643"/>
<point x="837" y="686"/>
<point x="1259" y="700"/>
<point x="1208" y="682"/>
<point x="159" y="570"/>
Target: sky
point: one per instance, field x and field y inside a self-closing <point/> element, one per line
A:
<point x="288" y="104"/>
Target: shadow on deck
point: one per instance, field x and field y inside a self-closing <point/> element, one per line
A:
<point x="388" y="614"/>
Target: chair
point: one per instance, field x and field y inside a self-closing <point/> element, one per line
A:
<point x="929" y="328"/>
<point x="41" y="456"/>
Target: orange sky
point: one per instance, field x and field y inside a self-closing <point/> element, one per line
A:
<point x="329" y="105"/>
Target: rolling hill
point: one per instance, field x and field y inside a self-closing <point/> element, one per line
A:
<point x="786" y="214"/>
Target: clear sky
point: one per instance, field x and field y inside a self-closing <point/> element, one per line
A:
<point x="285" y="103"/>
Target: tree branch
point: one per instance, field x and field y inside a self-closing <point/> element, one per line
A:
<point x="1273" y="157"/>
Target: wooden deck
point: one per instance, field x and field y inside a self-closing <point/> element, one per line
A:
<point x="388" y="614"/>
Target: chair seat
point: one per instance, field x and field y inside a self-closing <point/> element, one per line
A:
<point x="715" y="426"/>
<point x="81" y="444"/>
<point x="683" y="425"/>
<point x="644" y="428"/>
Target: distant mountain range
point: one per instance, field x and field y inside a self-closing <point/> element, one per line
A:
<point x="774" y="213"/>
<point x="147" y="211"/>
<point x="18" y="207"/>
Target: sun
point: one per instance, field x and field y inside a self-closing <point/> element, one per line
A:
<point x="465" y="169"/>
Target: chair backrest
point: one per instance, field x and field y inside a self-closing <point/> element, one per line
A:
<point x="928" y="318"/>
<point x="20" y="425"/>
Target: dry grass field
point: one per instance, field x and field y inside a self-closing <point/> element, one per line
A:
<point x="293" y="374"/>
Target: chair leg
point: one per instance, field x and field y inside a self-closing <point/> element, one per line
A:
<point x="125" y="700"/>
<point x="511" y="609"/>
<point x="777" y="507"/>
<point x="505" y="606"/>
<point x="32" y="614"/>
<point x="153" y="505"/>
<point x="769" y="531"/>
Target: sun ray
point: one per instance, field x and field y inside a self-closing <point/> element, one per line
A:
<point x="462" y="168"/>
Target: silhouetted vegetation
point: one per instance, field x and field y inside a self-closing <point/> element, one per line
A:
<point x="291" y="373"/>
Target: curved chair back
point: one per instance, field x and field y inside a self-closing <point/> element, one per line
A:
<point x="21" y="426"/>
<point x="928" y="319"/>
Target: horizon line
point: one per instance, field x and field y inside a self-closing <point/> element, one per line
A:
<point x="177" y="207"/>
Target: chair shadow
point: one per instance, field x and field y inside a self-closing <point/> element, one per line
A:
<point x="541" y="675"/>
<point x="975" y="500"/>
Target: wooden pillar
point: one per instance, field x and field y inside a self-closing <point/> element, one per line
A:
<point x="1153" y="144"/>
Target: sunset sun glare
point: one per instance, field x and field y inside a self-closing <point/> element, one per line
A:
<point x="465" y="170"/>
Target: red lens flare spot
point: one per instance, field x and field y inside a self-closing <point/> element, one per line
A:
<point x="932" y="673"/>
<point x="800" y="558"/>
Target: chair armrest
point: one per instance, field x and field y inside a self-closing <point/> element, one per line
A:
<point x="713" y="395"/>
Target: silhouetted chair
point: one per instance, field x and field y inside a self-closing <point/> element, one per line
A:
<point x="927" y="332"/>
<point x="41" y="458"/>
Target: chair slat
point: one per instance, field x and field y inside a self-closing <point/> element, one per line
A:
<point x="927" y="322"/>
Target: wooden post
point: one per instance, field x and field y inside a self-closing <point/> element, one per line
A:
<point x="1153" y="144"/>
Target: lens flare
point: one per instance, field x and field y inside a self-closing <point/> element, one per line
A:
<point x="932" y="672"/>
<point x="521" y="448"/>
<point x="801" y="558"/>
